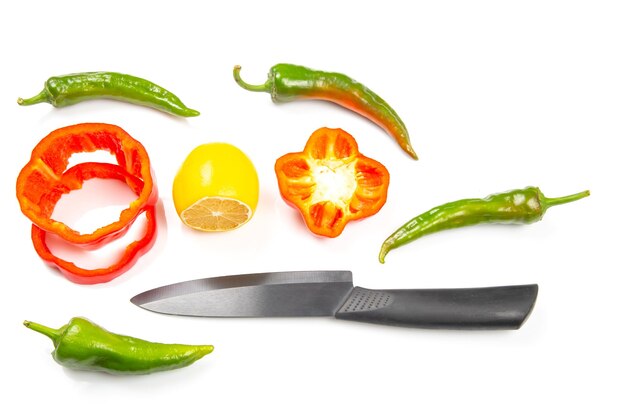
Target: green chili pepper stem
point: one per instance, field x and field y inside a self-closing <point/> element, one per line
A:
<point x="53" y="334"/>
<point x="263" y="88"/>
<point x="39" y="98"/>
<point x="550" y="202"/>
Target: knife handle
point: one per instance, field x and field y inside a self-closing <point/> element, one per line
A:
<point x="491" y="308"/>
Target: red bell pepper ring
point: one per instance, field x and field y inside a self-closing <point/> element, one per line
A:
<point x="85" y="276"/>
<point x="331" y="182"/>
<point x="133" y="251"/>
<point x="44" y="179"/>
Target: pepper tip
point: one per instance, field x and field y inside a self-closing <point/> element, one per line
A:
<point x="384" y="250"/>
<point x="409" y="149"/>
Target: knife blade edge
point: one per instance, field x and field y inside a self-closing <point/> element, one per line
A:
<point x="243" y="280"/>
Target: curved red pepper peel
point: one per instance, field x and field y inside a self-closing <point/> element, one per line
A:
<point x="331" y="183"/>
<point x="44" y="179"/>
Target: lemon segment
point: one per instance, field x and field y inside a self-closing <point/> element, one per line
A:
<point x="216" y="214"/>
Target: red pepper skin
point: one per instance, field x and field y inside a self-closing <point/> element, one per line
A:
<point x="133" y="251"/>
<point x="44" y="179"/>
<point x="331" y="183"/>
<point x="101" y="275"/>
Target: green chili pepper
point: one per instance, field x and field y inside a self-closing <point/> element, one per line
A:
<point x="83" y="345"/>
<point x="70" y="89"/>
<point x="527" y="205"/>
<point x="287" y="82"/>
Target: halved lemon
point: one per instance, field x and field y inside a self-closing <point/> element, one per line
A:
<point x="216" y="188"/>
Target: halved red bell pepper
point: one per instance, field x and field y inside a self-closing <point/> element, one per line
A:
<point x="44" y="179"/>
<point x="133" y="251"/>
<point x="331" y="183"/>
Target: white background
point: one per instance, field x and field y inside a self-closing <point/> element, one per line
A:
<point x="496" y="95"/>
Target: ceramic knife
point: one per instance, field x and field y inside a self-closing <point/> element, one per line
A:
<point x="331" y="293"/>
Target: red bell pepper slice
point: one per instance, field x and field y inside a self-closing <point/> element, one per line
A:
<point x="44" y="179"/>
<point x="133" y="251"/>
<point x="331" y="183"/>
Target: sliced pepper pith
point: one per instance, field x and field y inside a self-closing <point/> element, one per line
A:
<point x="45" y="178"/>
<point x="331" y="183"/>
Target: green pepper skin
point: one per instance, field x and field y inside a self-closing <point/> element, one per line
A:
<point x="522" y="206"/>
<point x="288" y="82"/>
<point x="83" y="345"/>
<point x="70" y="89"/>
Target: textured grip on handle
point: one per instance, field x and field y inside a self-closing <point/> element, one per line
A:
<point x="459" y="308"/>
